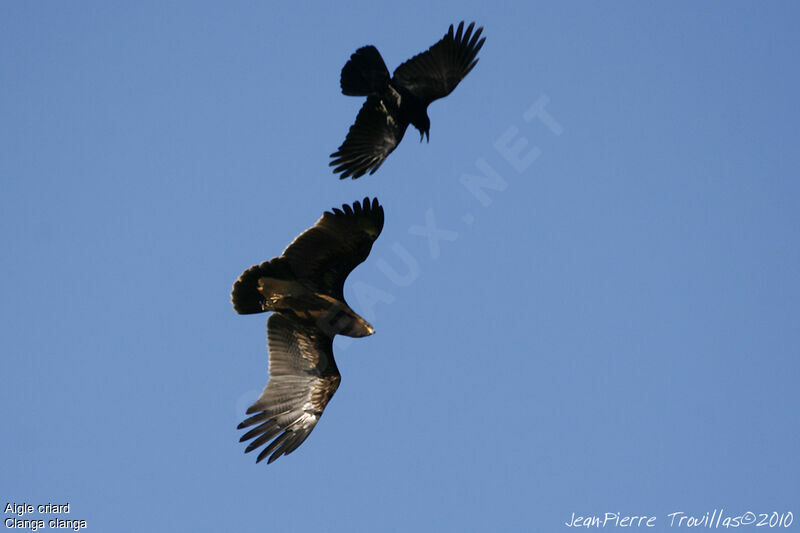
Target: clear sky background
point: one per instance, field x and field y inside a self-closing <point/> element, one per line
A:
<point x="614" y="327"/>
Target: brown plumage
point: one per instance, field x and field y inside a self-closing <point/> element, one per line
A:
<point x="304" y="287"/>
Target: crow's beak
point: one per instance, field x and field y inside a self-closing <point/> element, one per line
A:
<point x="424" y="134"/>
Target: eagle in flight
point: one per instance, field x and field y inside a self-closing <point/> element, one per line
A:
<point x="304" y="289"/>
<point x="394" y="103"/>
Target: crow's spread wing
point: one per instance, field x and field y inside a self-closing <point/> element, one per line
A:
<point x="435" y="73"/>
<point x="375" y="133"/>
<point x="323" y="255"/>
<point x="302" y="379"/>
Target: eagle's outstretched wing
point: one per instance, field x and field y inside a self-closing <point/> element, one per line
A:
<point x="323" y="255"/>
<point x="320" y="258"/>
<point x="302" y="379"/>
<point x="436" y="72"/>
<point x="375" y="134"/>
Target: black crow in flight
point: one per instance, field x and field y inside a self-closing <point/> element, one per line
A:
<point x="304" y="287"/>
<point x="394" y="103"/>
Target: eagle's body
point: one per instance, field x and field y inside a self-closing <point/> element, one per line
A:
<point x="294" y="298"/>
<point x="304" y="289"/>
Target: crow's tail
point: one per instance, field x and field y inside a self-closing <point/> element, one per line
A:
<point x="365" y="73"/>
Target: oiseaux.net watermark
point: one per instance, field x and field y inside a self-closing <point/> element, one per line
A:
<point x="714" y="519"/>
<point x="512" y="153"/>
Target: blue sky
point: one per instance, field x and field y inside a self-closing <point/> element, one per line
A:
<point x="612" y="327"/>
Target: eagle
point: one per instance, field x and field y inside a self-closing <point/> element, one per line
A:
<point x="394" y="103"/>
<point x="304" y="290"/>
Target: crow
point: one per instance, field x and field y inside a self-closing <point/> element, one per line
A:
<point x="304" y="288"/>
<point x="393" y="104"/>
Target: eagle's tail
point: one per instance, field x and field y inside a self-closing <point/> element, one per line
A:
<point x="246" y="296"/>
<point x="365" y="73"/>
